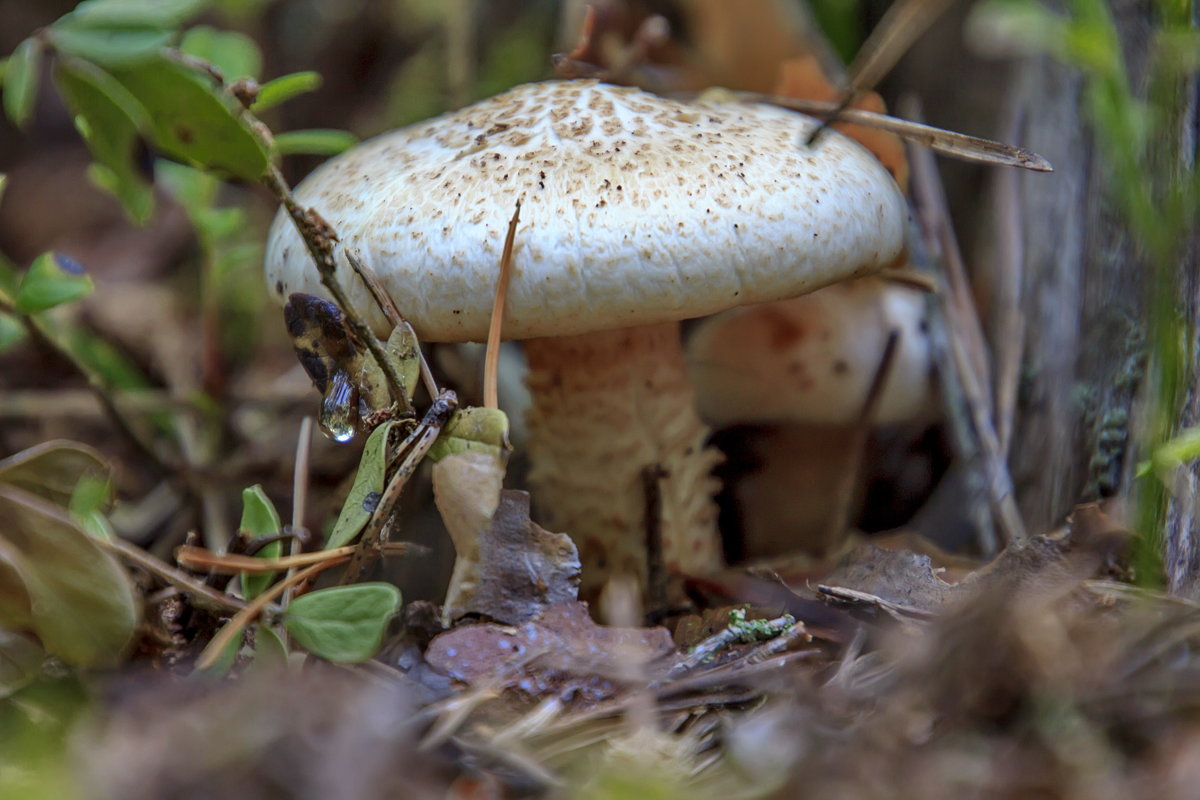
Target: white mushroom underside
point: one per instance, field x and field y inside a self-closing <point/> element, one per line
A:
<point x="635" y="209"/>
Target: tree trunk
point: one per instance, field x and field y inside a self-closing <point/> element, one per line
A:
<point x="1081" y="288"/>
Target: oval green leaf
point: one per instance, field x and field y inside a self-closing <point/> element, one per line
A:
<point x="191" y="121"/>
<point x="483" y="430"/>
<point x="83" y="605"/>
<point x="51" y="280"/>
<point x="21" y="78"/>
<point x="109" y="46"/>
<point x="366" y="490"/>
<point x="148" y="13"/>
<point x="343" y="624"/>
<point x="259" y="520"/>
<point x="52" y="470"/>
<point x="235" y="54"/>
<point x="112" y="121"/>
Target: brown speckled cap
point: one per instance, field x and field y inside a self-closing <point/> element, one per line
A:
<point x="635" y="209"/>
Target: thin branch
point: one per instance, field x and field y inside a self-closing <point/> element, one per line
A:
<point x="319" y="237"/>
<point x="201" y="559"/>
<point x="412" y="450"/>
<point x="967" y="345"/>
<point x="948" y="143"/>
<point x="391" y="313"/>
<point x="238" y="623"/>
<point x="491" y="359"/>
<point x="901" y="25"/>
<point x="202" y="596"/>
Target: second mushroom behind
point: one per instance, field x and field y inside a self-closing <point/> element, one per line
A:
<point x="637" y="212"/>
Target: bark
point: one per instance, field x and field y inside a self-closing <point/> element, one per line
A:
<point x="1082" y="298"/>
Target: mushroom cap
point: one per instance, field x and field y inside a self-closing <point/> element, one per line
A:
<point x="812" y="359"/>
<point x="635" y="209"/>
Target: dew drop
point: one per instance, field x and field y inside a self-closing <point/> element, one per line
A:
<point x="339" y="407"/>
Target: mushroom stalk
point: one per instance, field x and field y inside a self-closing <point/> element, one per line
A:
<point x="610" y="408"/>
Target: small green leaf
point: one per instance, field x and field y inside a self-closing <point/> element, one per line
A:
<point x="270" y="653"/>
<point x="91" y="497"/>
<point x="20" y="661"/>
<point x="52" y="279"/>
<point x="366" y="490"/>
<point x="483" y="430"/>
<point x="235" y="54"/>
<point x="260" y="520"/>
<point x="321" y="142"/>
<point x="52" y="470"/>
<point x="220" y="668"/>
<point x="191" y="121"/>
<point x="110" y="120"/>
<point x="22" y="74"/>
<point x="150" y="13"/>
<point x="81" y="602"/>
<point x="11" y="331"/>
<point x="109" y="46"/>
<point x="345" y="623"/>
<point x="284" y="88"/>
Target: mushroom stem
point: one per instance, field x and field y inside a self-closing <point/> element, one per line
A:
<point x="607" y="408"/>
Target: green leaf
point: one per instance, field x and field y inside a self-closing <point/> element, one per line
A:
<point x="112" y="46"/>
<point x="260" y="520"/>
<point x="235" y="54"/>
<point x="52" y="279"/>
<point x="11" y="331"/>
<point x="345" y="623"/>
<point x="321" y="142"/>
<point x="366" y="490"/>
<point x="20" y="661"/>
<point x="191" y="121"/>
<point x="483" y="430"/>
<point x="22" y="74"/>
<point x="150" y="13"/>
<point x="284" y="88"/>
<point x="52" y="470"/>
<point x="88" y="503"/>
<point x="270" y="653"/>
<point x="82" y="604"/>
<point x="111" y="120"/>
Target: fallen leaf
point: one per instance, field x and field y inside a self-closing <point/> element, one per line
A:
<point x="562" y="649"/>
<point x="524" y="569"/>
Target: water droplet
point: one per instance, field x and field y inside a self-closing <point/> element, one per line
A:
<point x="339" y="407"/>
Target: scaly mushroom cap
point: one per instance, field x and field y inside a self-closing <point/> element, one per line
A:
<point x="635" y="209"/>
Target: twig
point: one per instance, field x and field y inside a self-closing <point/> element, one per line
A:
<point x="948" y="143"/>
<point x="900" y="26"/>
<point x="412" y="451"/>
<point x="491" y="359"/>
<point x="202" y="596"/>
<point x="1010" y="322"/>
<point x="199" y="558"/>
<point x="967" y="345"/>
<point x="238" y="623"/>
<point x="299" y="494"/>
<point x="738" y="630"/>
<point x="391" y="313"/>
<point x="319" y="237"/>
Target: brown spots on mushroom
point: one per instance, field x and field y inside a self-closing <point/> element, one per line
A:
<point x="782" y="331"/>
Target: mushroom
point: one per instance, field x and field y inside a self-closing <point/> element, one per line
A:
<point x="801" y="371"/>
<point x="637" y="211"/>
